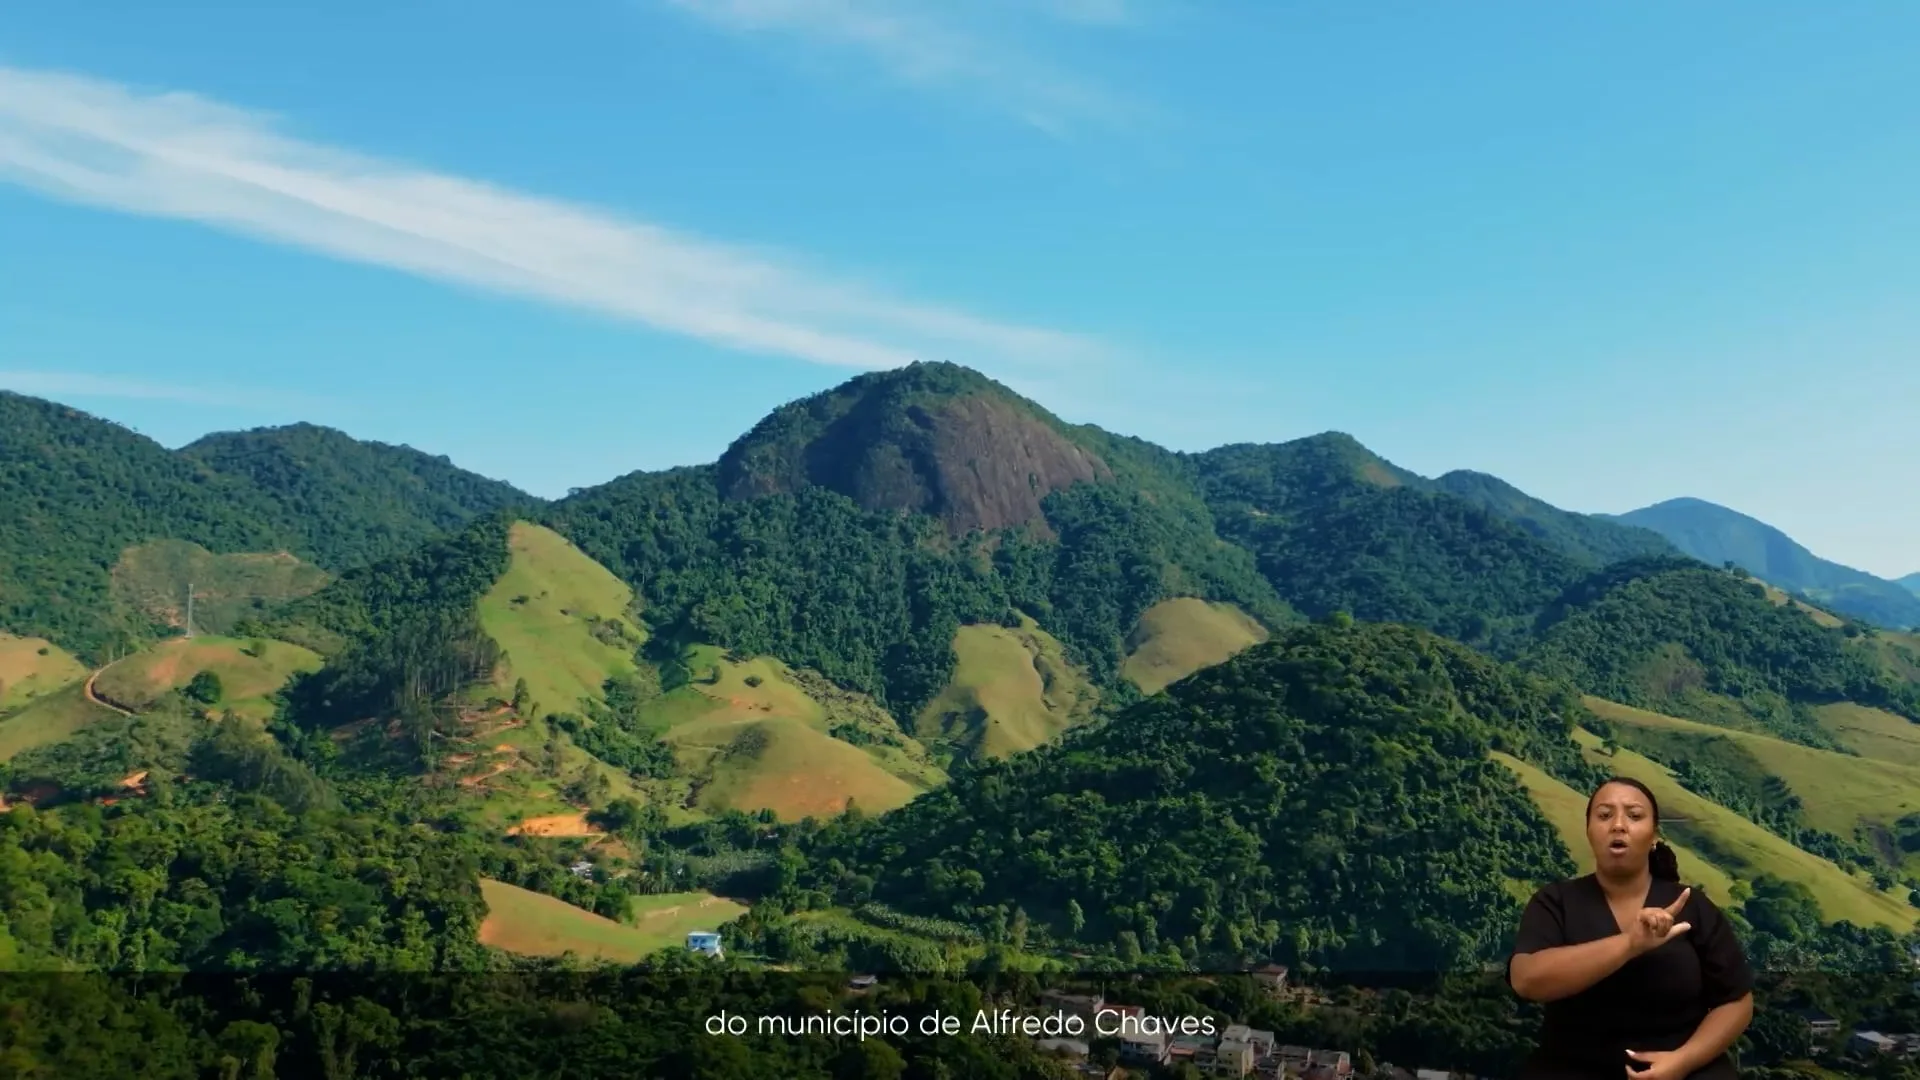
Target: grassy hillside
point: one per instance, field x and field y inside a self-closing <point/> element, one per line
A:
<point x="534" y="924"/>
<point x="749" y="736"/>
<point x="1178" y="637"/>
<point x="1746" y="851"/>
<point x="1824" y="618"/>
<point x="1567" y="810"/>
<point x="564" y="621"/>
<point x="150" y="583"/>
<point x="49" y="719"/>
<point x="251" y="671"/>
<point x="32" y="668"/>
<point x="1873" y="733"/>
<point x="1840" y="793"/>
<point x="1012" y="690"/>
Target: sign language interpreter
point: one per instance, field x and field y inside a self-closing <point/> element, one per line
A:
<point x="1642" y="977"/>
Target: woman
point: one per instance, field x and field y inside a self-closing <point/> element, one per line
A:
<point x="1641" y="977"/>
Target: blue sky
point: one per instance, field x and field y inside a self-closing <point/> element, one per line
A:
<point x="1613" y="253"/>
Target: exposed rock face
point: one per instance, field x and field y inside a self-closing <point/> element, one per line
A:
<point x="932" y="438"/>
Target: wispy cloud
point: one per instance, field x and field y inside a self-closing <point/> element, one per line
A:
<point x="176" y="155"/>
<point x="68" y="384"/>
<point x="979" y="47"/>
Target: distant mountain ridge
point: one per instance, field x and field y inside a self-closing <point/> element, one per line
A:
<point x="1717" y="535"/>
<point x="1911" y="582"/>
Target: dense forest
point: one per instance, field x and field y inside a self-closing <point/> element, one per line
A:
<point x="352" y="502"/>
<point x="1324" y="798"/>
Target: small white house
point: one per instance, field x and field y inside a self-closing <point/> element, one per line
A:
<point x="705" y="942"/>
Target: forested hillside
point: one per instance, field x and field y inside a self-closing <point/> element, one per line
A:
<point x="1325" y="797"/>
<point x="1679" y="637"/>
<point x="77" y="491"/>
<point x="80" y="491"/>
<point x="1336" y="529"/>
<point x="351" y="502"/>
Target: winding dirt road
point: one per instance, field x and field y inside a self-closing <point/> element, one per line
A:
<point x="95" y="699"/>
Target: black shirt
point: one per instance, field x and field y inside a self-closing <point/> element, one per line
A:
<point x="1653" y="1002"/>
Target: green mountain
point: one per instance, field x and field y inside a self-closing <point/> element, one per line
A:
<point x="1326" y="797"/>
<point x="857" y="531"/>
<point x="1717" y="535"/>
<point x="1336" y="528"/>
<point x="1590" y="537"/>
<point x="354" y="502"/>
<point x="78" y="491"/>
<point x="82" y="492"/>
<point x="1911" y="583"/>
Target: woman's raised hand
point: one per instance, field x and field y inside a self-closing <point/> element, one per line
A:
<point x="1656" y="926"/>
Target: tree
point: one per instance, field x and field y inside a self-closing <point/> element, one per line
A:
<point x="522" y="697"/>
<point x="205" y="688"/>
<point x="1784" y="909"/>
<point x="1076" y="918"/>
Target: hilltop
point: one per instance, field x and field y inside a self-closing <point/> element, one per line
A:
<point x="82" y="493"/>
<point x="352" y="501"/>
<point x="1716" y="535"/>
<point x="932" y="438"/>
<point x="1911" y="583"/>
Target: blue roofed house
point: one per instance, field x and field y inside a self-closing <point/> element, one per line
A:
<point x="705" y="942"/>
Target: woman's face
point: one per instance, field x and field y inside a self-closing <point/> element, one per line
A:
<point x="1620" y="827"/>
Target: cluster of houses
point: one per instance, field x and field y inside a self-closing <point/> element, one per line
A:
<point x="1236" y="1050"/>
<point x="1869" y="1044"/>
<point x="1862" y="1043"/>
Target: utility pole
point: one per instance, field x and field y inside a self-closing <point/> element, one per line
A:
<point x="189" y="609"/>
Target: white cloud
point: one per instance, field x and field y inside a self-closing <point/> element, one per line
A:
<point x="974" y="46"/>
<point x="67" y="384"/>
<point x="180" y="156"/>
